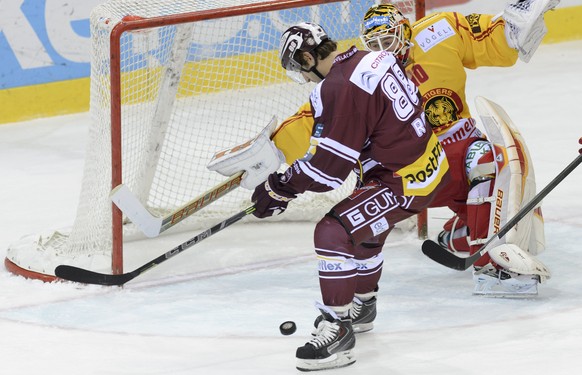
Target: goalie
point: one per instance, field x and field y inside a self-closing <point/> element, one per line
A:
<point x="437" y="67"/>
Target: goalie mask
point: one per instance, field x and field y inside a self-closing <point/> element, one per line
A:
<point x="303" y="37"/>
<point x="385" y="28"/>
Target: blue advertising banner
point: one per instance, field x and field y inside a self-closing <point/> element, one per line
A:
<point x="44" y="41"/>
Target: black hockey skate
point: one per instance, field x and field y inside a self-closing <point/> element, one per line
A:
<point x="331" y="346"/>
<point x="362" y="314"/>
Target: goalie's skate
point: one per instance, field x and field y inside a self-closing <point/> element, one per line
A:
<point x="331" y="346"/>
<point x="490" y="281"/>
<point x="362" y="314"/>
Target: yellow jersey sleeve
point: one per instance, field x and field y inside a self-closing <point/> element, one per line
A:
<point x="484" y="41"/>
<point x="293" y="135"/>
<point x="445" y="44"/>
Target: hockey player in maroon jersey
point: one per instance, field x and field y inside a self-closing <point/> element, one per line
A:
<point x="367" y="116"/>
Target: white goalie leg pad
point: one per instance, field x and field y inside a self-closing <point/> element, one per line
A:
<point x="538" y="236"/>
<point x="514" y="259"/>
<point x="525" y="26"/>
<point x="258" y="157"/>
<point x="514" y="182"/>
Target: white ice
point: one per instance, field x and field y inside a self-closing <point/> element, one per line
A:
<point x="222" y="315"/>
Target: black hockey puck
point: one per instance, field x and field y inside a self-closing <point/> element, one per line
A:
<point x="288" y="328"/>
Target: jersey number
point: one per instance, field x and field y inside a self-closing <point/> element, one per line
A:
<point x="403" y="95"/>
<point x="401" y="92"/>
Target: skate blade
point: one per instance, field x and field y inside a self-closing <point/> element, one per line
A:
<point x="336" y="360"/>
<point x="503" y="293"/>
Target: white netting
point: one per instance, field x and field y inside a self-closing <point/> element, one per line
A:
<point x="187" y="90"/>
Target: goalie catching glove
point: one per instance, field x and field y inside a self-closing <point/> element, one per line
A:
<point x="525" y="27"/>
<point x="271" y="198"/>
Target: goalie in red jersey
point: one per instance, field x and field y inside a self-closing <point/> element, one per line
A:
<point x="436" y="50"/>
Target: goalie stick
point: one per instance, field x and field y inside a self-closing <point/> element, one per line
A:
<point x="85" y="276"/>
<point x="443" y="256"/>
<point x="151" y="225"/>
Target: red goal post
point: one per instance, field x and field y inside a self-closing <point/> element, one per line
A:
<point x="171" y="83"/>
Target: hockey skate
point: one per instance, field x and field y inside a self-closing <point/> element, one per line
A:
<point x="362" y="314"/>
<point x="331" y="346"/>
<point x="490" y="281"/>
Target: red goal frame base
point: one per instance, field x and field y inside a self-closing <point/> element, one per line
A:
<point x="17" y="270"/>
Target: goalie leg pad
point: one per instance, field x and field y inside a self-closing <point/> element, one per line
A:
<point x="514" y="182"/>
<point x="478" y="217"/>
<point x="258" y="157"/>
<point x="514" y="259"/>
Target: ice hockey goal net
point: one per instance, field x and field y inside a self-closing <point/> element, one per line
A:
<point x="171" y="83"/>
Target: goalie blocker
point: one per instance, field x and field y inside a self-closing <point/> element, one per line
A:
<point x="247" y="165"/>
<point x="258" y="158"/>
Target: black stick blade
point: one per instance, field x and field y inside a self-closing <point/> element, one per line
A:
<point x="84" y="276"/>
<point x="442" y="256"/>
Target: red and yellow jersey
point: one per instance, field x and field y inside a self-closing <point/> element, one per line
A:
<point x="444" y="45"/>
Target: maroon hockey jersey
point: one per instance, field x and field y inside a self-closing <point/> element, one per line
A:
<point x="368" y="114"/>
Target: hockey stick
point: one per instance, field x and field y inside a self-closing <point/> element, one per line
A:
<point x="151" y="225"/>
<point x="85" y="276"/>
<point x="441" y="255"/>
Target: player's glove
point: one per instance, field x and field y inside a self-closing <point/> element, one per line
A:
<point x="270" y="198"/>
<point x="580" y="141"/>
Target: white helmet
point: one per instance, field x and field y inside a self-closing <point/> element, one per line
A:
<point x="303" y="37"/>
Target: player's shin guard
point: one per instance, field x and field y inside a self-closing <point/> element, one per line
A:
<point x="337" y="267"/>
